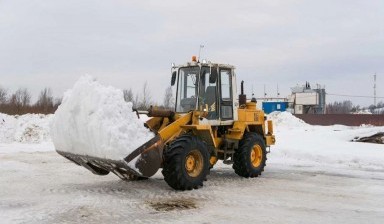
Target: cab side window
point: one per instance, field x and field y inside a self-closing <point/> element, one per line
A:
<point x="226" y="94"/>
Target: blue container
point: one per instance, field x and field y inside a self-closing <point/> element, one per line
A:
<point x="269" y="107"/>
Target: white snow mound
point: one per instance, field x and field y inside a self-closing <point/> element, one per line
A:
<point x="7" y="128"/>
<point x="95" y="120"/>
<point x="33" y="128"/>
<point x="28" y="128"/>
<point x="286" y="119"/>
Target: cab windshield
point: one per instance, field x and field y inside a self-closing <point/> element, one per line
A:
<point x="187" y="92"/>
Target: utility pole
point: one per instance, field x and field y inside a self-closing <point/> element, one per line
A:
<point x="374" y="89"/>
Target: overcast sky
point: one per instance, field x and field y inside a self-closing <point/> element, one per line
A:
<point x="336" y="43"/>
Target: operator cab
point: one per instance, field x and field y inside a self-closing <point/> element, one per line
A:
<point x="202" y="86"/>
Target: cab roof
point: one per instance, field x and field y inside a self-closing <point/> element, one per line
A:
<point x="194" y="63"/>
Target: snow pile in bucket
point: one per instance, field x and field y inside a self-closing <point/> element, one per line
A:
<point x="28" y="128"/>
<point x="95" y="120"/>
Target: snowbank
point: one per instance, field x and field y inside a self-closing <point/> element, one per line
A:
<point x="286" y="119"/>
<point x="28" y="128"/>
<point x="95" y="120"/>
<point x="7" y="128"/>
<point x="303" y="144"/>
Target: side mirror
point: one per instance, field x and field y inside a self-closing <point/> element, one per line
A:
<point x="213" y="75"/>
<point x="173" y="79"/>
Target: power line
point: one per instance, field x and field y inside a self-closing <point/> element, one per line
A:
<point x="331" y="94"/>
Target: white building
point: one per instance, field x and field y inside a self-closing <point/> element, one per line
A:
<point x="305" y="100"/>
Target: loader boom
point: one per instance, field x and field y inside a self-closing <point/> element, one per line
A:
<point x="207" y="125"/>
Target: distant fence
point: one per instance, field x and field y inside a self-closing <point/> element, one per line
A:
<point x="343" y="119"/>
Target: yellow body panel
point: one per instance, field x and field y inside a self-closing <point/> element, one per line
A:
<point x="237" y="131"/>
<point x="174" y="129"/>
<point x="205" y="132"/>
<point x="270" y="127"/>
<point x="249" y="119"/>
<point x="270" y="140"/>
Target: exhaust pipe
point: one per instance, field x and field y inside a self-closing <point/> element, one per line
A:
<point x="242" y="96"/>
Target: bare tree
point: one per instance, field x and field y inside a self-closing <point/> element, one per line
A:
<point x="19" y="101"/>
<point x="380" y="106"/>
<point x="167" y="102"/>
<point x="20" y="98"/>
<point x="136" y="101"/>
<point x="3" y="96"/>
<point x="377" y="109"/>
<point x="344" y="107"/>
<point x="57" y="102"/>
<point x="128" y="95"/>
<point x="45" y="101"/>
<point x="355" y="109"/>
<point x="25" y="97"/>
<point x="146" y="98"/>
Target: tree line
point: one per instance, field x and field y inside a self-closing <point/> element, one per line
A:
<point x="19" y="102"/>
<point x="143" y="100"/>
<point x="347" y="107"/>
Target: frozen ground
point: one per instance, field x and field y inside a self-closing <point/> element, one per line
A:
<point x="314" y="174"/>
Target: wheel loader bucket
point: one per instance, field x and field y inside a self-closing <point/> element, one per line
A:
<point x="149" y="160"/>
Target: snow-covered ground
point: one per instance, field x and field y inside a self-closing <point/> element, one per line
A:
<point x="29" y="128"/>
<point x="314" y="174"/>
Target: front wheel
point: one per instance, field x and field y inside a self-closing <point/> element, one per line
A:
<point x="186" y="163"/>
<point x="250" y="157"/>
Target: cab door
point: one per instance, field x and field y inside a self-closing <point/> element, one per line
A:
<point x="208" y="92"/>
<point x="226" y="94"/>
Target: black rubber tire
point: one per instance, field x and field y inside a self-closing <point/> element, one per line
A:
<point x="242" y="158"/>
<point x="174" y="170"/>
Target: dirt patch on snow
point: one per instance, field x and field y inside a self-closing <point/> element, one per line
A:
<point x="174" y="204"/>
<point x="376" y="138"/>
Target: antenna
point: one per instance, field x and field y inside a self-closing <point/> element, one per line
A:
<point x="374" y="89"/>
<point x="201" y="47"/>
<point x="265" y="94"/>
<point x="253" y="93"/>
<point x="278" y="93"/>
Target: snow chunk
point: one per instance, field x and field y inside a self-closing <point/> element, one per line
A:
<point x="95" y="120"/>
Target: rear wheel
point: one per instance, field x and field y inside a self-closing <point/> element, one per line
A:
<point x="250" y="157"/>
<point x="186" y="163"/>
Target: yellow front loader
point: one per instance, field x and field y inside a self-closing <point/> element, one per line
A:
<point x="208" y="124"/>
